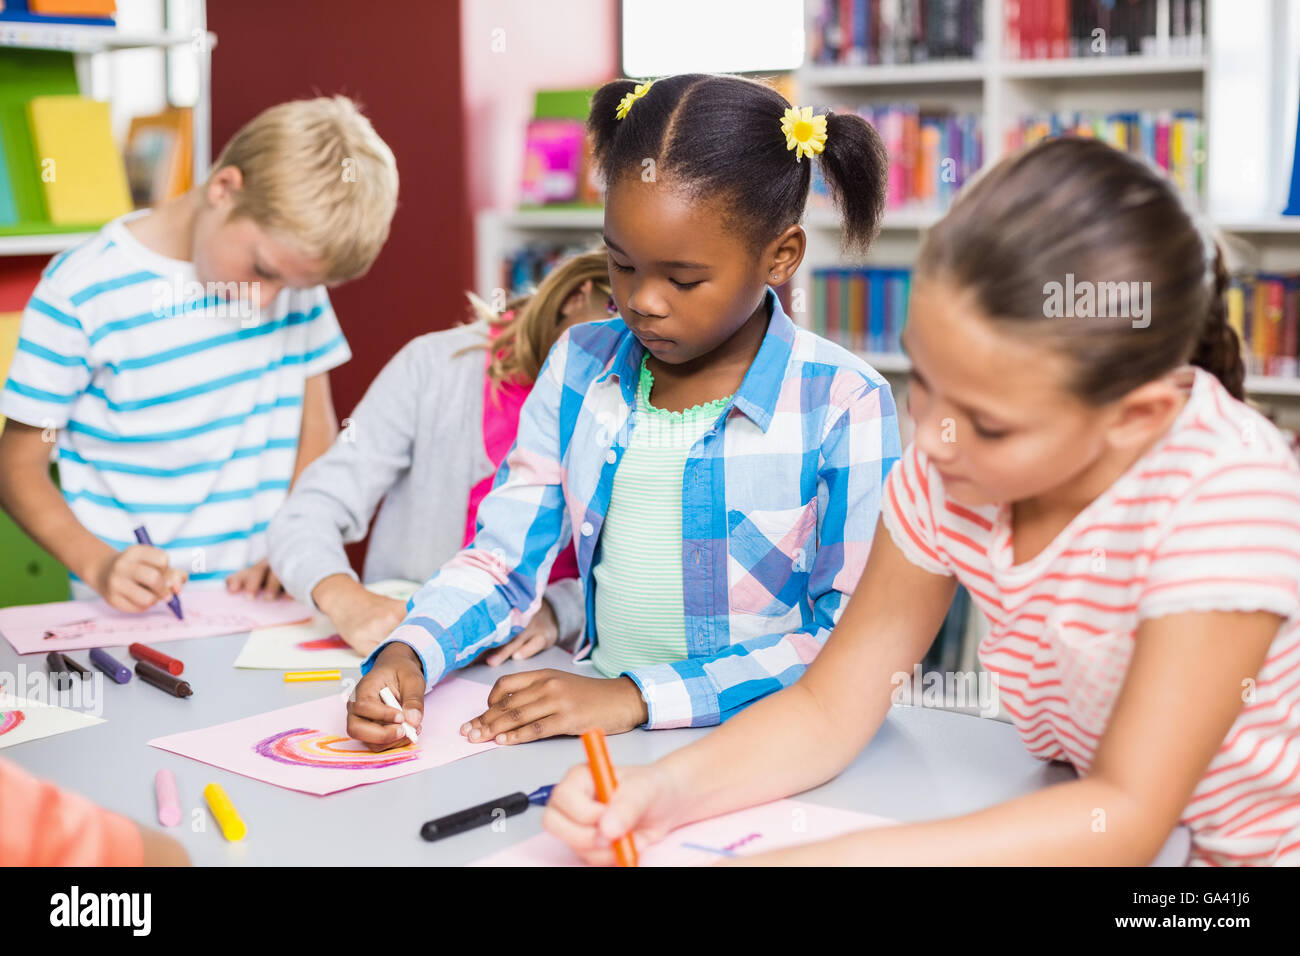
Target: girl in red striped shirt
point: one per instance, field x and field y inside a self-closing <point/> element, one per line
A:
<point x="1084" y="464"/>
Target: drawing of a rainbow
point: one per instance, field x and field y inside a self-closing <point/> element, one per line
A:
<point x="9" y="719"/>
<point x="305" y="747"/>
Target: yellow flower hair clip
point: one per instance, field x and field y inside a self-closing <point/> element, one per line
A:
<point x="804" y="133"/>
<point x="626" y="102"/>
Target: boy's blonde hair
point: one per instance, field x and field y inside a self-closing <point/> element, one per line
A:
<point x="317" y="171"/>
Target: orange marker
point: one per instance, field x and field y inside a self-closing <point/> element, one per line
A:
<point x="602" y="774"/>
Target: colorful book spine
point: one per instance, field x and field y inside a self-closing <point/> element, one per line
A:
<point x="1039" y="29"/>
<point x="863" y="309"/>
<point x="931" y="156"/>
<point x="1173" y="141"/>
<point x="856" y="32"/>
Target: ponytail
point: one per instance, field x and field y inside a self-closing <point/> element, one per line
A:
<point x="856" y="168"/>
<point x="603" y="122"/>
<point x="721" y="137"/>
<point x="1218" y="350"/>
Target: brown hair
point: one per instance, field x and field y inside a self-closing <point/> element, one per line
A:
<point x="1080" y="207"/>
<point x="317" y="171"/>
<point x="525" y="338"/>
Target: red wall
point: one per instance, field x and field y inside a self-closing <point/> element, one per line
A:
<point x="401" y="60"/>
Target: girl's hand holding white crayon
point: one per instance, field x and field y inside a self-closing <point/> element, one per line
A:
<point x="537" y="704"/>
<point x="375" y="723"/>
<point x="137" y="578"/>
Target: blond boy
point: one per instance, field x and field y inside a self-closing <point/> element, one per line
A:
<point x="179" y="360"/>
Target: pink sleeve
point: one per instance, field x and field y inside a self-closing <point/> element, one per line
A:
<point x="908" y="512"/>
<point x="41" y="825"/>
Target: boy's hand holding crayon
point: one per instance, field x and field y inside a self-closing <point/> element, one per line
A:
<point x="138" y="578"/>
<point x="373" y="722"/>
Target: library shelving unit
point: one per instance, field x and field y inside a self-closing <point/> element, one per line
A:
<point x="1000" y="89"/>
<point x="91" y="42"/>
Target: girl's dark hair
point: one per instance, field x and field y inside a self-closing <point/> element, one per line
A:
<point x="720" y="137"/>
<point x="1077" y="206"/>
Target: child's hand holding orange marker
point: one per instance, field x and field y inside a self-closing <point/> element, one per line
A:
<point x="602" y="775"/>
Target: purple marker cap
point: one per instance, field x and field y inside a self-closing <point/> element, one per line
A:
<point x="142" y="536"/>
<point x="105" y="662"/>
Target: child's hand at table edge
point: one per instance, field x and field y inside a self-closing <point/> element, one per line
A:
<point x="373" y="722"/>
<point x="256" y="580"/>
<point x="363" y="618"/>
<point x="643" y="804"/>
<point x="536" y="704"/>
<point x="137" y="578"/>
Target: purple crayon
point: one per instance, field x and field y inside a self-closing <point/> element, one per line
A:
<point x="105" y="662"/>
<point x="142" y="536"/>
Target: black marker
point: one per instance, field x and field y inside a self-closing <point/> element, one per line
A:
<point x="483" y="814"/>
<point x="58" y="670"/>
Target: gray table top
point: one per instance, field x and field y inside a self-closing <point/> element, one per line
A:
<point x="922" y="764"/>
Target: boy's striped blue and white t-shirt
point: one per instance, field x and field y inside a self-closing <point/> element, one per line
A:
<point x="175" y="406"/>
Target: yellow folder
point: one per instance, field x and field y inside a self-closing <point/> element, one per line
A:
<point x="79" y="165"/>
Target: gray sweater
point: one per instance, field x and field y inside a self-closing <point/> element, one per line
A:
<point x="415" y="441"/>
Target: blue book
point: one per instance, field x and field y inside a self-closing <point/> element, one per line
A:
<point x="875" y="310"/>
<point x="8" y="211"/>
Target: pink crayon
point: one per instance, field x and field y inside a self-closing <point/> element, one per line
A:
<point x="169" y="802"/>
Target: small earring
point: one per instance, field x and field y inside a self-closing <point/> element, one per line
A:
<point x="611" y="306"/>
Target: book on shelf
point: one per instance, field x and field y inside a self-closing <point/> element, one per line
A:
<point x="863" y="308"/>
<point x="159" y="156"/>
<point x="932" y="154"/>
<point x="887" y="32"/>
<point x="523" y="268"/>
<point x="25" y="74"/>
<point x="558" y="166"/>
<point x="1172" y="140"/>
<point x="1264" y="309"/>
<point x="81" y="170"/>
<point x="1053" y="29"/>
<point x="98" y="13"/>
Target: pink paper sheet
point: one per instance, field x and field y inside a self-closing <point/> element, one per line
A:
<point x="77" y="625"/>
<point x="771" y="826"/>
<point x="306" y="747"/>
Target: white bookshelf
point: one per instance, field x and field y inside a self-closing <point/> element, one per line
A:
<point x="1001" y="90"/>
<point x="91" y="44"/>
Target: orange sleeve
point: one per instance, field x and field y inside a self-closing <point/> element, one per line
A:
<point x="41" y="825"/>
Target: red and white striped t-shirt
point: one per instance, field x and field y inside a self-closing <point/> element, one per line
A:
<point x="1207" y="520"/>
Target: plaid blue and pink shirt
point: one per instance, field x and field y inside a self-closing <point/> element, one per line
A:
<point x="780" y="498"/>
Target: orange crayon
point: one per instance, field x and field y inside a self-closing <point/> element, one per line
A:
<point x="602" y="774"/>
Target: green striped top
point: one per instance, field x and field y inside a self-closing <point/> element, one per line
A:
<point x="640" y="618"/>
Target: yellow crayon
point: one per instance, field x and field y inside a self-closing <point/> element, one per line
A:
<point x="294" y="677"/>
<point x="227" y="816"/>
